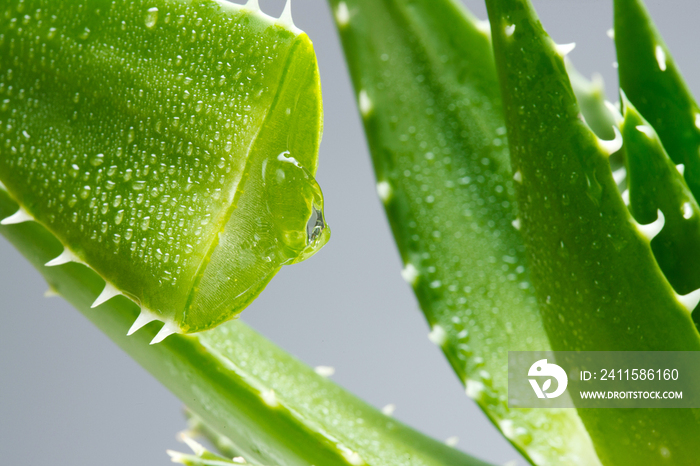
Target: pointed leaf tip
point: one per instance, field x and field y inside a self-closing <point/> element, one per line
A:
<point x="285" y="18"/>
<point x="65" y="257"/>
<point x="20" y="216"/>
<point x="613" y="145"/>
<point x="652" y="229"/>
<point x="253" y="5"/>
<point x="690" y="300"/>
<point x="168" y="329"/>
<point x="196" y="447"/>
<point x="145" y="317"/>
<point x="564" y="49"/>
<point x="108" y="293"/>
<point x="342" y="14"/>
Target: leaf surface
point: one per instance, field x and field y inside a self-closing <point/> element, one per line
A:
<point x="274" y="409"/>
<point x="653" y="83"/>
<point x="655" y="183"/>
<point x="427" y="91"/>
<point x="593" y="269"/>
<point x="168" y="144"/>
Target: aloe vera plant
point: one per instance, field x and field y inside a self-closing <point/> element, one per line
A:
<point x="498" y="170"/>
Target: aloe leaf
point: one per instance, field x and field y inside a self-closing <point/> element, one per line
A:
<point x="427" y="92"/>
<point x="170" y="145"/>
<point x="656" y="183"/>
<point x="593" y="269"/>
<point x="654" y="84"/>
<point x="273" y="408"/>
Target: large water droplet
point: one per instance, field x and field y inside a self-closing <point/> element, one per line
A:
<point x="295" y="203"/>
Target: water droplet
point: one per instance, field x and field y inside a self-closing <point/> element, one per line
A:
<point x="151" y="17"/>
<point x="295" y="202"/>
<point x="97" y="160"/>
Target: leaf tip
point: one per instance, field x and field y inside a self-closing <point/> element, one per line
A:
<point x="518" y="176"/>
<point x="650" y="230"/>
<point x="474" y="389"/>
<point x="438" y="335"/>
<point x="285" y="18"/>
<point x="270" y="399"/>
<point x="564" y="49"/>
<point x="145" y="317"/>
<point x="389" y="409"/>
<point x="51" y="292"/>
<point x="324" y="371"/>
<point x="660" y="55"/>
<point x="20" y="216"/>
<point x="690" y="300"/>
<point x="342" y="14"/>
<point x="410" y="274"/>
<point x="484" y="26"/>
<point x="452" y="441"/>
<point x="609" y="147"/>
<point x="253" y="5"/>
<point x="384" y="191"/>
<point x="509" y="30"/>
<point x="109" y="292"/>
<point x="365" y="103"/>
<point x="168" y="329"/>
<point x="65" y="257"/>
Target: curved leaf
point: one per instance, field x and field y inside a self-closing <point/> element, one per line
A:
<point x="427" y="91"/>
<point x="653" y="83"/>
<point x="273" y="408"/>
<point x="593" y="268"/>
<point x="655" y="183"/>
<point x="154" y="137"/>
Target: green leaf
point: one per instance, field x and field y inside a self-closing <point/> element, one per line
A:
<point x="593" y="269"/>
<point x="653" y="83"/>
<point x="273" y="408"/>
<point x="427" y="91"/>
<point x="153" y="137"/>
<point x="655" y="183"/>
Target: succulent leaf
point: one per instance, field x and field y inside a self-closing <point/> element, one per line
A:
<point x="593" y="270"/>
<point x="655" y="183"/>
<point x="653" y="83"/>
<point x="275" y="409"/>
<point x="170" y="145"/>
<point x="427" y="91"/>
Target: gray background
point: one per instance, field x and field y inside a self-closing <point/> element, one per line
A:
<point x="68" y="396"/>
